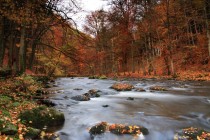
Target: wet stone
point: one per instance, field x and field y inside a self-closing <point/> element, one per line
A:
<point x="98" y="128"/>
<point x="93" y="93"/>
<point x="122" y="87"/>
<point x="77" y="89"/>
<point x="81" y="98"/>
<point x="117" y="129"/>
<point x="192" y="134"/>
<point x="158" y="88"/>
<point x="130" y="98"/>
<point x="140" y="90"/>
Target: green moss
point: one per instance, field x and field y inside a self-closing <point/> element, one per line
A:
<point x="32" y="133"/>
<point x="97" y="95"/>
<point x="15" y="104"/>
<point x="42" y="116"/>
<point x="5" y="112"/>
<point x="98" y="129"/>
<point x="4" y="100"/>
<point x="7" y="128"/>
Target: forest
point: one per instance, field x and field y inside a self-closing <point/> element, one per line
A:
<point x="131" y="38"/>
<point x="137" y="69"/>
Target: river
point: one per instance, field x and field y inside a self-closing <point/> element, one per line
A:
<point x="185" y="104"/>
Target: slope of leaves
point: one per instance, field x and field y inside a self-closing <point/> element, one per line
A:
<point x="16" y="95"/>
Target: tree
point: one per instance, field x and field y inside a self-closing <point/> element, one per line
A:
<point x="27" y="22"/>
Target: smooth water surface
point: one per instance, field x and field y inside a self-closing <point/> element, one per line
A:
<point x="185" y="104"/>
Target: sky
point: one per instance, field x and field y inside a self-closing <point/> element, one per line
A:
<point x="88" y="6"/>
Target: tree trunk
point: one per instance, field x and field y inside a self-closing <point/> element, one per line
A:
<point x="22" y="52"/>
<point x="132" y="55"/>
<point x="207" y="17"/>
<point x="208" y="36"/>
<point x="31" y="61"/>
<point x="169" y="40"/>
<point x="11" y="51"/>
<point x="2" y="45"/>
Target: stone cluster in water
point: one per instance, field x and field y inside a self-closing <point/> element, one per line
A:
<point x="118" y="129"/>
<point x="192" y="134"/>
<point x="86" y="97"/>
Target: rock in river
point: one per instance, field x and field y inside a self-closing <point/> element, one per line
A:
<point x="192" y="134"/>
<point x="158" y="88"/>
<point x="81" y="98"/>
<point x="140" y="90"/>
<point x="86" y="97"/>
<point x="122" y="87"/>
<point x="130" y="98"/>
<point x="94" y="93"/>
<point x="118" y="129"/>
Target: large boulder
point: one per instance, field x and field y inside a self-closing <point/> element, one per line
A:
<point x="41" y="117"/>
<point x="122" y="87"/>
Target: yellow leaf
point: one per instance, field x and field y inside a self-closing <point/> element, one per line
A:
<point x="42" y="134"/>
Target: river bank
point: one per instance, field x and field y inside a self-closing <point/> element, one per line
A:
<point x="25" y="112"/>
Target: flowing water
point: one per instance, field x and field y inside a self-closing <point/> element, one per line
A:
<point x="185" y="104"/>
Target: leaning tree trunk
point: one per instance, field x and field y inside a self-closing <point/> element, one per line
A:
<point x="22" y="51"/>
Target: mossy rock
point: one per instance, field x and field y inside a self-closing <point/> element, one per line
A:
<point x="42" y="116"/>
<point x="122" y="87"/>
<point x="102" y="77"/>
<point x="192" y="134"/>
<point x="118" y="129"/>
<point x="7" y="128"/>
<point x="98" y="129"/>
<point x="32" y="133"/>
